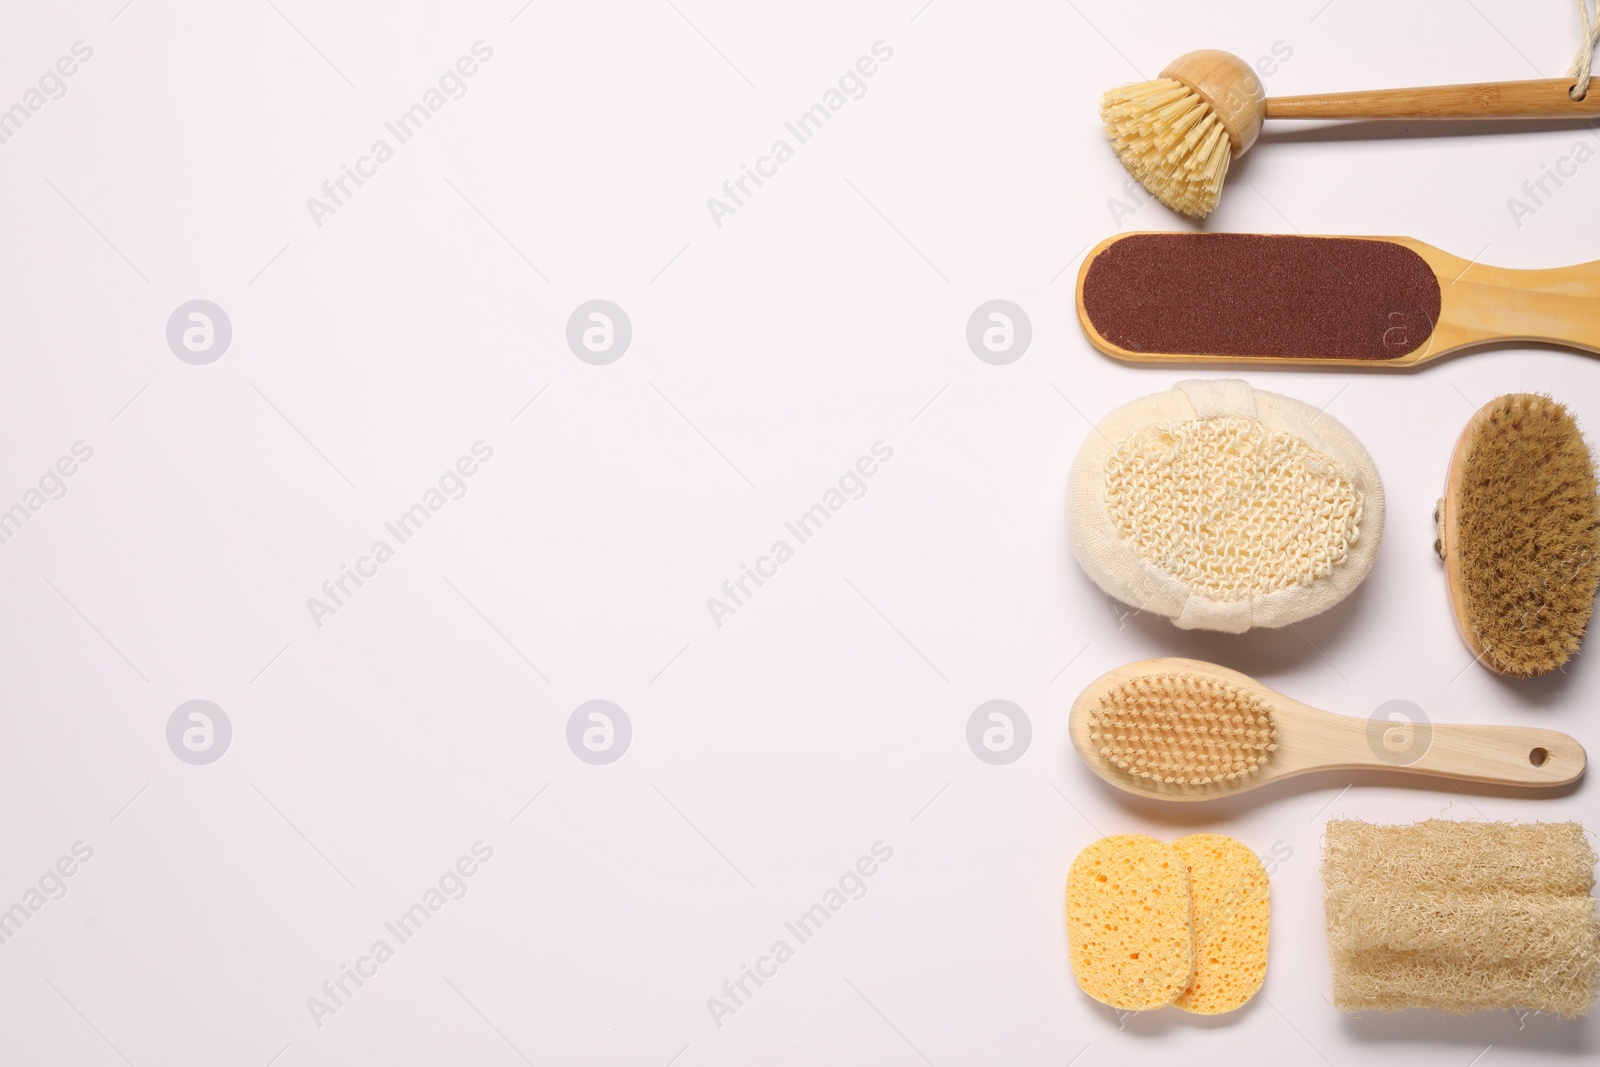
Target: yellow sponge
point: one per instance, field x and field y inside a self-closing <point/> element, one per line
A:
<point x="1232" y="910"/>
<point x="1129" y="929"/>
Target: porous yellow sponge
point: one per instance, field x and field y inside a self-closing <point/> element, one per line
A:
<point x="1232" y="911"/>
<point x="1461" y="916"/>
<point x="1129" y="930"/>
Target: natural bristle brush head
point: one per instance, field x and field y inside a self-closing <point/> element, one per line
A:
<point x="1519" y="532"/>
<point x="1177" y="133"/>
<point x="1179" y="729"/>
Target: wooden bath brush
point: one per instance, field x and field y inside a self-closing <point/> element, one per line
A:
<point x="1353" y="301"/>
<point x="1519" y="534"/>
<point x="1179" y="729"/>
<point x="1176" y="134"/>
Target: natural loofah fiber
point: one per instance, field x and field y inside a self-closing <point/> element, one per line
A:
<point x="1525" y="548"/>
<point x="1232" y="911"/>
<point x="1231" y="508"/>
<point x="1461" y="916"/>
<point x="1129" y="927"/>
<point x="1224" y="507"/>
<point x="1182" y="730"/>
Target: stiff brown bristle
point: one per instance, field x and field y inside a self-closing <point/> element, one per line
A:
<point x="1171" y="141"/>
<point x="1527" y="534"/>
<point x="1181" y="730"/>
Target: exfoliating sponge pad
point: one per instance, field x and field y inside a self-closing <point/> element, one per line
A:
<point x="1129" y="929"/>
<point x="1461" y="916"/>
<point x="1223" y="507"/>
<point x="1232" y="911"/>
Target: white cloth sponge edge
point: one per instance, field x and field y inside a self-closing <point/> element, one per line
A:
<point x="1116" y="567"/>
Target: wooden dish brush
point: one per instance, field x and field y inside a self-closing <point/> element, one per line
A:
<point x="1176" y="134"/>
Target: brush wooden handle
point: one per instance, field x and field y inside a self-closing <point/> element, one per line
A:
<point x="1540" y="99"/>
<point x="1481" y="303"/>
<point x="1310" y="739"/>
<point x="1496" y="755"/>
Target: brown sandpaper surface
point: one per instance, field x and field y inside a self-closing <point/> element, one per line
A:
<point x="1248" y="295"/>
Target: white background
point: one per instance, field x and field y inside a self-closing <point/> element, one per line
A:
<point x="768" y="353"/>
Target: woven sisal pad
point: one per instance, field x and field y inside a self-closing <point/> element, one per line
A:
<point x="1223" y="507"/>
<point x="1461" y="916"/>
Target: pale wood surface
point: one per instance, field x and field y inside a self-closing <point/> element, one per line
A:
<point x="1313" y="740"/>
<point x="1450" y="541"/>
<point x="1229" y="86"/>
<point x="1479" y="304"/>
<point x="1537" y="99"/>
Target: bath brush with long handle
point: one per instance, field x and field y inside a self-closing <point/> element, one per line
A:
<point x="1177" y="133"/>
<point x="1289" y="298"/>
<point x="1180" y="729"/>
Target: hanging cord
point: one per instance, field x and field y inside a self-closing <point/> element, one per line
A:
<point x="1585" y="57"/>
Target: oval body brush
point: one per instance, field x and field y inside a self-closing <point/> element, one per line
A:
<point x="1179" y="729"/>
<point x="1519" y="533"/>
<point x="1355" y="301"/>
<point x="1177" y="133"/>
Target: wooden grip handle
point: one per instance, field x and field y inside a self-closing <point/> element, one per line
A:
<point x="1557" y="305"/>
<point x="1505" y="100"/>
<point x="1500" y="755"/>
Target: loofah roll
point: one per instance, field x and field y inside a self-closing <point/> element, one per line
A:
<point x="1538" y="859"/>
<point x="1224" y="508"/>
<point x="1461" y="916"/>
